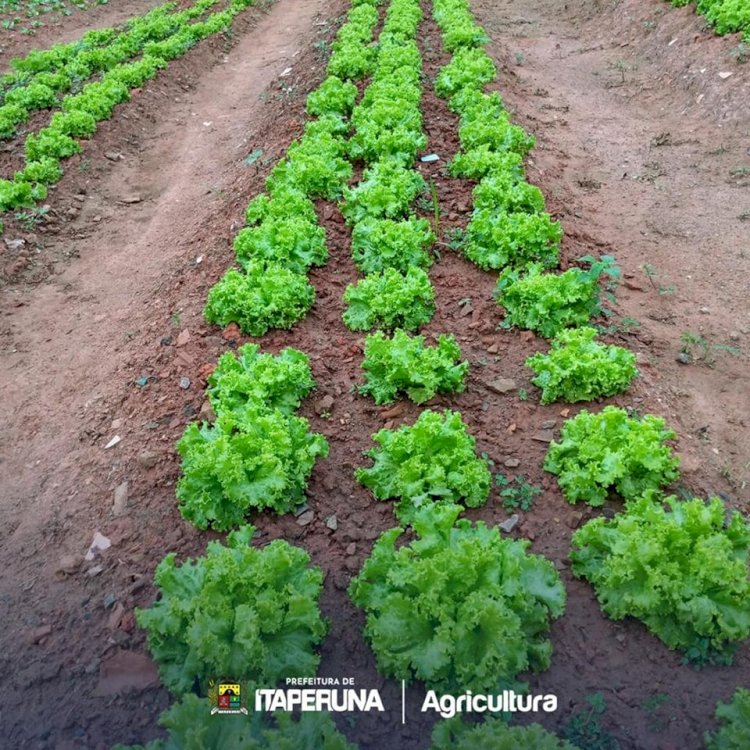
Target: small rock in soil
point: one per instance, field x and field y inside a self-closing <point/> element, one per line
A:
<point x="231" y="332"/>
<point x="14" y="244"/>
<point x="351" y="548"/>
<point x="120" y="503"/>
<point x="544" y="436"/>
<point x="69" y="564"/>
<point x="683" y="358"/>
<point x="130" y="199"/>
<point x="306" y="518"/>
<point x="492" y="349"/>
<point x="113" y="622"/>
<point x="112" y="443"/>
<point x="92" y="572"/>
<point x="125" y="671"/>
<point x="184" y="383"/>
<point x="183" y="338"/>
<point x="148" y="460"/>
<point x="512" y="463"/>
<point x="502" y="385"/>
<point x="575" y="520"/>
<point x="324" y="405"/>
<point x="109" y="600"/>
<point x="332" y="523"/>
<point x="465" y="310"/>
<point x="394" y="411"/>
<point x="549" y="424"/>
<point x="166" y="341"/>
<point x="98" y="545"/>
<point x="734" y="336"/>
<point x="509" y="524"/>
<point x="113" y="155"/>
<point x="40" y="633"/>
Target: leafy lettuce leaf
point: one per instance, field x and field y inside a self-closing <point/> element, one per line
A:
<point x="434" y="460"/>
<point x="459" y="608"/>
<point x="611" y="451"/>
<point x="378" y="244"/>
<point x="243" y="611"/>
<point x="265" y="296"/>
<point x="403" y="363"/>
<point x="191" y="727"/>
<point x="276" y="382"/>
<point x="734" y="734"/>
<point x="578" y="368"/>
<point x="250" y="459"/>
<point x="679" y="567"/>
<point x="390" y="299"/>
<point x="494" y="734"/>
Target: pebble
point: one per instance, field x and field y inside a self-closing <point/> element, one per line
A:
<point x="148" y="460"/>
<point x="511" y="463"/>
<point x="184" y="383"/>
<point x="502" y="385"/>
<point x="351" y="548"/>
<point x="509" y="524"/>
<point x="69" y="564"/>
<point x="549" y="424"/>
<point x="332" y="523"/>
<point x="306" y="518"/>
<point x="183" y="338"/>
<point x="120" y="503"/>
<point x="683" y="358"/>
<point x="544" y="436"/>
<point x="324" y="405"/>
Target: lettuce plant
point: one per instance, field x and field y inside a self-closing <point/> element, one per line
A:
<point x="496" y="132"/>
<point x="734" y="733"/>
<point x="275" y="381"/>
<point x="386" y="191"/>
<point x="239" y="610"/>
<point x="191" y="726"/>
<point x="316" y="165"/>
<point x="497" y="239"/>
<point x="548" y="302"/>
<point x="611" y="451"/>
<point x="460" y="607"/>
<point x="292" y="242"/>
<point x="482" y="161"/>
<point x="250" y="459"/>
<point x="333" y="96"/>
<point x="678" y="566"/>
<point x="504" y="192"/>
<point x="404" y="364"/>
<point x="470" y="67"/>
<point x="390" y="299"/>
<point x="265" y="296"/>
<point x="578" y="368"/>
<point x="284" y="202"/>
<point x="494" y="734"/>
<point x="433" y="460"/>
<point x="378" y="244"/>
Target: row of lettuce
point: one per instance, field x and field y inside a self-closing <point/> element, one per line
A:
<point x="450" y="603"/>
<point x="726" y="16"/>
<point x="81" y="83"/>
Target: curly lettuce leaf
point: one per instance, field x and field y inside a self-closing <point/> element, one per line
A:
<point x="578" y="368"/>
<point x="611" y="451"/>
<point x="403" y="363"/>
<point x="678" y="566"/>
<point x="433" y="460"/>
<point x="459" y="608"/>
<point x="277" y="382"/>
<point x="248" y="460"/>
<point x="238" y="610"/>
<point x="389" y="300"/>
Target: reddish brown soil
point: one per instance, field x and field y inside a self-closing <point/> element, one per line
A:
<point x="74" y="346"/>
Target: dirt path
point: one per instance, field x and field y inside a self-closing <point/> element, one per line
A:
<point x="67" y="351"/>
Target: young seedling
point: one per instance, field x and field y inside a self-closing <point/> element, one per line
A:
<point x="516" y="493"/>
